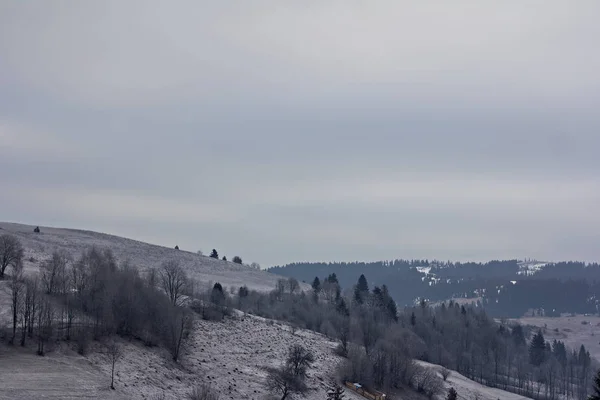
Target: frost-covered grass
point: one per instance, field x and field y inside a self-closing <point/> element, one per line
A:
<point x="61" y="375"/>
<point x="231" y="355"/>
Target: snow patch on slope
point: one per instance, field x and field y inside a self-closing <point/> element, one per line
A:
<point x="468" y="389"/>
<point x="530" y="268"/>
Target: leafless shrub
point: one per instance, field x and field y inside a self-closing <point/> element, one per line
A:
<point x="11" y="252"/>
<point x="428" y="383"/>
<point x="445" y="373"/>
<point x="284" y="383"/>
<point x="173" y="281"/>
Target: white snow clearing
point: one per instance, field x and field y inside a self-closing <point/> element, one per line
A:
<point x="530" y="268"/>
<point x="39" y="247"/>
<point x="469" y="390"/>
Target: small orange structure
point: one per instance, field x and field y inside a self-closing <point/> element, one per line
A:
<point x="369" y="394"/>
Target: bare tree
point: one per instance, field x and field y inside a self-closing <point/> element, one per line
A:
<point x="11" y="252"/>
<point x="280" y="288"/>
<point x="293" y="285"/>
<point x="445" y="373"/>
<point x="255" y="265"/>
<point x="27" y="310"/>
<point x="45" y="316"/>
<point x="284" y="383"/>
<point x="173" y="281"/>
<point x="178" y="327"/>
<point x="428" y="382"/>
<point x="17" y="288"/>
<point x="114" y="353"/>
<point x="53" y="271"/>
<point x="299" y="360"/>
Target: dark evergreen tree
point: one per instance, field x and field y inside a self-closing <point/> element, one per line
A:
<point x="237" y="259"/>
<point x="518" y="336"/>
<point x="243" y="291"/>
<point x="358" y="296"/>
<point x="362" y="285"/>
<point x="584" y="357"/>
<point x="214" y="254"/>
<point x="224" y="258"/>
<point x="596" y="395"/>
<point x="342" y="308"/>
<point x="332" y="278"/>
<point x="413" y="319"/>
<point x="537" y="349"/>
<point x="316" y="285"/>
<point x="452" y="395"/>
<point x="335" y="392"/>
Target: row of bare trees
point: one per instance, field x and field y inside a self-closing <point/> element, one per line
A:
<point x="92" y="297"/>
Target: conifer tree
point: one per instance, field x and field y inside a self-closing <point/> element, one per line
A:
<point x="452" y="395"/>
<point x="537" y="349"/>
<point x="596" y="395"/>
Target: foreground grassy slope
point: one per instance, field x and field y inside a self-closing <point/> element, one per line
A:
<point x="230" y="355"/>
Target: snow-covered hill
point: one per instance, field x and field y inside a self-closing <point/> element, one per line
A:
<point x="39" y="246"/>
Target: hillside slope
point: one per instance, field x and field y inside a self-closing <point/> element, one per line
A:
<point x="39" y="246"/>
<point x="468" y="389"/>
<point x="231" y="356"/>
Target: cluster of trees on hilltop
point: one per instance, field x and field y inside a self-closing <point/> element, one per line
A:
<point x="92" y="297"/>
<point x="577" y="284"/>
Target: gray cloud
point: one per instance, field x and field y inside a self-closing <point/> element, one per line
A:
<point x="321" y="130"/>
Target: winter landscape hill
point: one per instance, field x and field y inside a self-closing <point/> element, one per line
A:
<point x="39" y="247"/>
<point x="232" y="355"/>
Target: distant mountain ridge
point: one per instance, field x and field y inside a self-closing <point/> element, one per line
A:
<point x="506" y="288"/>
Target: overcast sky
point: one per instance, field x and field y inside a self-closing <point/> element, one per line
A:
<point x="312" y="130"/>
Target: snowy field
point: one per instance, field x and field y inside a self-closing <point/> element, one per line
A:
<point x="470" y="390"/>
<point x="230" y="355"/>
<point x="39" y="247"/>
<point x="573" y="331"/>
<point x="58" y="376"/>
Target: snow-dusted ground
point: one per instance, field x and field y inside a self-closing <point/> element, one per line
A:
<point x="469" y="390"/>
<point x="57" y="376"/>
<point x="573" y="331"/>
<point x="230" y="355"/>
<point x="39" y="247"/>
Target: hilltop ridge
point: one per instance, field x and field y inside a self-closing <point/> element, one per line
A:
<point x="39" y="246"/>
